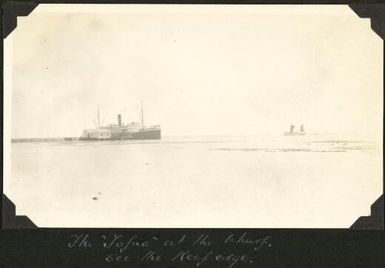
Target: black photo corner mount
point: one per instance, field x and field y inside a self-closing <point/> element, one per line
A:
<point x="12" y="9"/>
<point x="376" y="13"/>
<point x="10" y="219"/>
<point x="376" y="219"/>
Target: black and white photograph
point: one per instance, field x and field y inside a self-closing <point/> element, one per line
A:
<point x="193" y="116"/>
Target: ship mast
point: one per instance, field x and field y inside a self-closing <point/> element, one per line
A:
<point x="141" y="112"/>
<point x="97" y="108"/>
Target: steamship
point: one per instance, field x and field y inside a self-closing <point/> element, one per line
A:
<point x="292" y="132"/>
<point x="121" y="131"/>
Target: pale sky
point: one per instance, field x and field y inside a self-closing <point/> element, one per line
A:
<point x="199" y="70"/>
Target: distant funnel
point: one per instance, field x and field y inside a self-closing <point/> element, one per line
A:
<point x="120" y="120"/>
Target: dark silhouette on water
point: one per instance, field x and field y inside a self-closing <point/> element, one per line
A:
<point x="292" y="131"/>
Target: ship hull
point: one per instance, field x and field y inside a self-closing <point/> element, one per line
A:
<point x="145" y="134"/>
<point x="153" y="134"/>
<point x="294" y="133"/>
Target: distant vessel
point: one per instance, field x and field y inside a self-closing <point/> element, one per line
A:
<point x="121" y="131"/>
<point x="292" y="132"/>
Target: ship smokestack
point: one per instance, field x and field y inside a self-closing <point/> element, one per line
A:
<point x="120" y="120"/>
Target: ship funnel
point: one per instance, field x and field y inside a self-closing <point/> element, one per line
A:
<point x="120" y="120"/>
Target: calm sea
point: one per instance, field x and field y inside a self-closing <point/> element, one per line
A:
<point x="235" y="181"/>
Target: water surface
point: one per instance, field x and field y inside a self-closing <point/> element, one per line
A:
<point x="209" y="181"/>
